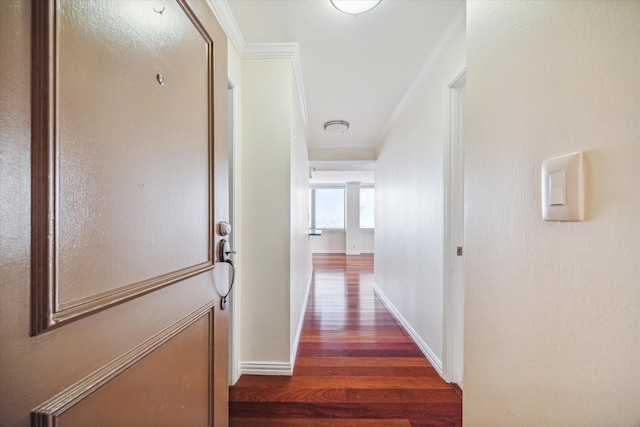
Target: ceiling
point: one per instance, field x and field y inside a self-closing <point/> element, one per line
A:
<point x="361" y="69"/>
<point x="339" y="172"/>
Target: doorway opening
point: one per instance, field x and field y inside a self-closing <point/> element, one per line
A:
<point x="454" y="234"/>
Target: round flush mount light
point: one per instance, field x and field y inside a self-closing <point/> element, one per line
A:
<point x="336" y="126"/>
<point x="354" y="7"/>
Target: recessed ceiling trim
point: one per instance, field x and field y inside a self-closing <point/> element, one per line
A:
<point x="456" y="25"/>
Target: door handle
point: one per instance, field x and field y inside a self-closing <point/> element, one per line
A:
<point x="224" y="251"/>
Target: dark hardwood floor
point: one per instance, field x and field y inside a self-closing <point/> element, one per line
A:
<point x="355" y="365"/>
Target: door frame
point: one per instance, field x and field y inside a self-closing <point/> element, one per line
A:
<point x="234" y="237"/>
<point x="453" y="268"/>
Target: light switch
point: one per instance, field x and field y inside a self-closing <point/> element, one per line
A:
<point x="557" y="188"/>
<point x="563" y="188"/>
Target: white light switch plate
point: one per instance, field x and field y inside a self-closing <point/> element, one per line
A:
<point x="563" y="188"/>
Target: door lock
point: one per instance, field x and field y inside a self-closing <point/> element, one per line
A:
<point x="223" y="228"/>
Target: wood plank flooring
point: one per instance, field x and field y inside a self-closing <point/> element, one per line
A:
<point x="355" y="365"/>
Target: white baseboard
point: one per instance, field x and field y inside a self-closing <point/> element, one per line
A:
<point x="266" y="368"/>
<point x="429" y="354"/>
<point x="279" y="368"/>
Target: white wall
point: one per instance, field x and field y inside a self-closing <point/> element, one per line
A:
<point x="334" y="242"/>
<point x="300" y="241"/>
<point x="341" y="153"/>
<point x="276" y="254"/>
<point x="367" y="241"/>
<point x="409" y="207"/>
<point x="352" y="219"/>
<point x="329" y="242"/>
<point x="552" y="310"/>
<point x="266" y="209"/>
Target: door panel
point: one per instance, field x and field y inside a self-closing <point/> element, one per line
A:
<point x="108" y="204"/>
<point x="126" y="125"/>
<point x="175" y="364"/>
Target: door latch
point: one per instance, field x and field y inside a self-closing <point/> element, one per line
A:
<point x="459" y="251"/>
<point x="224" y="251"/>
<point x="223" y="256"/>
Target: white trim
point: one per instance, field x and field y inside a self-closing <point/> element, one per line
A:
<point x="236" y="373"/>
<point x="225" y="17"/>
<point x="232" y="82"/>
<point x="234" y="203"/>
<point x="266" y="368"/>
<point x="282" y="51"/>
<point x="279" y="368"/>
<point x="223" y="13"/>
<point x="453" y="282"/>
<point x="453" y="29"/>
<point x="270" y="50"/>
<point x="296" y="341"/>
<point x="429" y="354"/>
<point x="302" y="99"/>
<point x="321" y="144"/>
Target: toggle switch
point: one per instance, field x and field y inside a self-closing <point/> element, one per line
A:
<point x="563" y="188"/>
<point x="557" y="188"/>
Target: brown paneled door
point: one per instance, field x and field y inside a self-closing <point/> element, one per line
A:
<point x="114" y="175"/>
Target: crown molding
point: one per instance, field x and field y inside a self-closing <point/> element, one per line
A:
<point x="270" y="50"/>
<point x="222" y="11"/>
<point x="292" y="51"/>
<point x="281" y="51"/>
<point x="456" y="25"/>
<point x="245" y="50"/>
<point x="297" y="73"/>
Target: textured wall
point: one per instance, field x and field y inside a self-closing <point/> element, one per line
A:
<point x="552" y="310"/>
<point x="410" y="204"/>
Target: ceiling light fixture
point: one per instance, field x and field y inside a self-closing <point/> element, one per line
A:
<point x="354" y="7"/>
<point x="336" y="126"/>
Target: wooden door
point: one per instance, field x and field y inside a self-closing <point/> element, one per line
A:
<point x="113" y="176"/>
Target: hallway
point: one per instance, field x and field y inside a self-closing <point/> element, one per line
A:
<point x="355" y="365"/>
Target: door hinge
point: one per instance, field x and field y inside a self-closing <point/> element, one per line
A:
<point x="459" y="251"/>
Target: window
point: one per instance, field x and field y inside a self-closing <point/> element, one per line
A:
<point x="327" y="208"/>
<point x="367" y="207"/>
